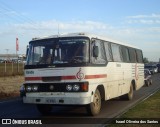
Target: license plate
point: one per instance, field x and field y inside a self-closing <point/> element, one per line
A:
<point x="51" y="101"/>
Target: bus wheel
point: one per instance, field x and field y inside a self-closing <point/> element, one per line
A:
<point x="129" y="95"/>
<point x="44" y="109"/>
<point x="150" y="81"/>
<point x="147" y="83"/>
<point x="95" y="107"/>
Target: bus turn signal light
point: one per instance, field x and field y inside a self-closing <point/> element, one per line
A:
<point x="84" y="87"/>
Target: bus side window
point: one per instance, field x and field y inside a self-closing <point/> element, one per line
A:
<point x="116" y="52"/>
<point x="132" y="54"/>
<point x="108" y="51"/>
<point x="139" y="56"/>
<point x="101" y="59"/>
<point x="125" y="54"/>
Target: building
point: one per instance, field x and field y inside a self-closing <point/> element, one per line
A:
<point x="9" y="57"/>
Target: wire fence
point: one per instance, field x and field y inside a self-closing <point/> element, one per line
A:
<point x="11" y="69"/>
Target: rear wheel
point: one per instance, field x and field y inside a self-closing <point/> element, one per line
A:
<point x="129" y="95"/>
<point x="95" y="107"/>
<point x="150" y="81"/>
<point x="44" y="109"/>
<point x="147" y="83"/>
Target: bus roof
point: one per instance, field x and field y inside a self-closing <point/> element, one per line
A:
<point x="87" y="35"/>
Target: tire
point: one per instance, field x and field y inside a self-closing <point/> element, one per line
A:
<point x="129" y="95"/>
<point x="95" y="107"/>
<point x="150" y="82"/>
<point x="44" y="109"/>
<point x="147" y="83"/>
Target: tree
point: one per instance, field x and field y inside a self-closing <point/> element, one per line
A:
<point x="145" y="60"/>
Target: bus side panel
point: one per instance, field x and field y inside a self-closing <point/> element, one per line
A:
<point x="127" y="78"/>
<point x="139" y="75"/>
<point x="120" y="77"/>
<point x="114" y="80"/>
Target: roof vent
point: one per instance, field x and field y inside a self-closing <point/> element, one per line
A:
<point x="81" y="34"/>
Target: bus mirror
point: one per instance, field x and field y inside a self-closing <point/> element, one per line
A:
<point x="95" y="51"/>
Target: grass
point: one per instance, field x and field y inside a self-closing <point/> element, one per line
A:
<point x="150" y="108"/>
<point x="10" y="86"/>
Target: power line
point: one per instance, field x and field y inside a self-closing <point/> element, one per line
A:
<point x="23" y="18"/>
<point x="18" y="17"/>
<point x="7" y="8"/>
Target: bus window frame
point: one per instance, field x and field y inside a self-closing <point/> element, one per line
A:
<point x="139" y="56"/>
<point x="120" y="54"/>
<point x="126" y="49"/>
<point x="91" y="55"/>
<point x="109" y="51"/>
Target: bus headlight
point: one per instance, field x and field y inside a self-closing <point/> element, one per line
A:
<point x="76" y="87"/>
<point x="35" y="88"/>
<point x="28" y="88"/>
<point x="69" y="87"/>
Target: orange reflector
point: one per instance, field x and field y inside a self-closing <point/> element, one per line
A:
<point x="84" y="87"/>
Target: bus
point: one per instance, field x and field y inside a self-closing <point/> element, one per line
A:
<point x="80" y="69"/>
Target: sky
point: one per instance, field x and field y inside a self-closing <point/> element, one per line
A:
<point x="136" y="22"/>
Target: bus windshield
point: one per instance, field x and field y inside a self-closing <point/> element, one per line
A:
<point x="58" y="51"/>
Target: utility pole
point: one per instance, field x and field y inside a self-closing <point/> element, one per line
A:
<point x="7" y="56"/>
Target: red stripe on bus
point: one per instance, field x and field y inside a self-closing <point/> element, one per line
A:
<point x="71" y="77"/>
<point x="95" y="76"/>
<point x="40" y="78"/>
<point x="68" y="77"/>
<point x="32" y="78"/>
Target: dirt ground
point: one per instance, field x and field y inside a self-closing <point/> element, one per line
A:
<point x="10" y="86"/>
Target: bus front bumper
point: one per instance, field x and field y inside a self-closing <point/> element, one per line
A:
<point x="58" y="100"/>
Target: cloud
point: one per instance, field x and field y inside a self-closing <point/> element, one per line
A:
<point x="51" y="27"/>
<point x="52" y="24"/>
<point x="144" y="19"/>
<point x="144" y="16"/>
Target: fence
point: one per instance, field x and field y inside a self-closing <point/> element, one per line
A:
<point x="11" y="69"/>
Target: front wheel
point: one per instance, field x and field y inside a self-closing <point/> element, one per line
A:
<point x="44" y="109"/>
<point x="95" y="107"/>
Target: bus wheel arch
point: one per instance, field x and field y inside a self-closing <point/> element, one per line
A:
<point x="102" y="92"/>
<point x="129" y="95"/>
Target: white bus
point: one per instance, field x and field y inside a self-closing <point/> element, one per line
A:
<point x="80" y="69"/>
